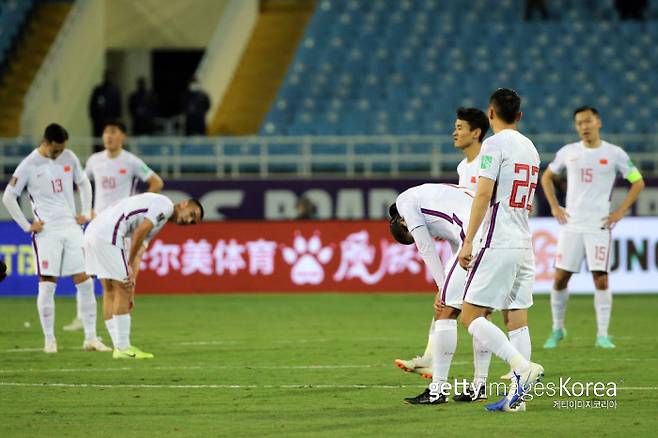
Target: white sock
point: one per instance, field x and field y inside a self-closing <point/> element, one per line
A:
<point x="111" y="326"/>
<point x="603" y="306"/>
<point x="46" y="308"/>
<point x="78" y="304"/>
<point x="559" y="300"/>
<point x="481" y="361"/>
<point x="123" y="331"/>
<point x="520" y="339"/>
<point x="444" y="344"/>
<point x="428" y="347"/>
<point x="87" y="307"/>
<point x="495" y="340"/>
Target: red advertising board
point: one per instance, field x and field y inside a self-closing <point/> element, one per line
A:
<point x="346" y="256"/>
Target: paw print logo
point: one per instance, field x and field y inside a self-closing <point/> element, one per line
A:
<point x="307" y="258"/>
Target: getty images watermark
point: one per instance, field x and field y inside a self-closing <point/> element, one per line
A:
<point x="604" y="393"/>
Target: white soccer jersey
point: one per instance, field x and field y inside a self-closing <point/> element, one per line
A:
<point x="591" y="174"/>
<point x="511" y="160"/>
<point x="443" y="208"/>
<point x="468" y="173"/>
<point x="120" y="220"/>
<point x="49" y="184"/>
<point x="115" y="178"/>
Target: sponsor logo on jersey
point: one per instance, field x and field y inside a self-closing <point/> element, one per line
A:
<point x="485" y="162"/>
<point x="603" y="161"/>
<point x="161" y="217"/>
<point x="67" y="169"/>
<point x="123" y="171"/>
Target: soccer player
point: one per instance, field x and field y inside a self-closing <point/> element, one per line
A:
<point x="108" y="257"/>
<point x="419" y="215"/>
<point x="592" y="166"/>
<point x="502" y="274"/>
<point x="471" y="126"/>
<point x="48" y="175"/>
<point x="114" y="173"/>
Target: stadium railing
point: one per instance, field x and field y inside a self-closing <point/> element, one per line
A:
<point x="306" y="156"/>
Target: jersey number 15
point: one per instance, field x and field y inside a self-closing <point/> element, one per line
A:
<point x="529" y="180"/>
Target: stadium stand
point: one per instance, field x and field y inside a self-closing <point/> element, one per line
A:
<point x="378" y="67"/>
<point x="12" y="16"/>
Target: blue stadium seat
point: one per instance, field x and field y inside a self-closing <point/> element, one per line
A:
<point x="409" y="59"/>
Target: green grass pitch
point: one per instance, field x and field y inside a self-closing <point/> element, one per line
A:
<point x="301" y="365"/>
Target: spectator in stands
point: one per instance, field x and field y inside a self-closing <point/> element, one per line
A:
<point x="196" y="104"/>
<point x="105" y="104"/>
<point x="306" y="210"/>
<point x="631" y="9"/>
<point x="536" y="5"/>
<point x="143" y="109"/>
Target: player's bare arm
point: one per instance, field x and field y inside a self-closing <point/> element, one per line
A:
<point x="478" y="211"/>
<point x="136" y="243"/>
<point x="10" y="200"/>
<point x="548" y="184"/>
<point x="155" y="184"/>
<point x="632" y="195"/>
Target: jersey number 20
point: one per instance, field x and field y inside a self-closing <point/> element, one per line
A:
<point x="528" y="180"/>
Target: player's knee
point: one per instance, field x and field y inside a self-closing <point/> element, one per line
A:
<point x="79" y="278"/>
<point x="561" y="281"/>
<point x="601" y="281"/>
<point x="448" y="312"/>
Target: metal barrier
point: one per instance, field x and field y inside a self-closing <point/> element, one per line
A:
<point x="308" y="156"/>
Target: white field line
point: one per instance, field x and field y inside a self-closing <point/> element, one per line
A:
<point x="200" y="367"/>
<point x="293" y="386"/>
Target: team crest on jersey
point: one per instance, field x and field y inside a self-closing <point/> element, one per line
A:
<point x="161" y="217"/>
<point x="67" y="169"/>
<point x="473" y="180"/>
<point x="603" y="161"/>
<point x="485" y="162"/>
<point x="123" y="171"/>
<point x="44" y="264"/>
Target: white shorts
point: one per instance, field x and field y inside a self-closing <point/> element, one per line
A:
<point x="58" y="251"/>
<point x="573" y="246"/>
<point x="104" y="260"/>
<point x="501" y="279"/>
<point x="452" y="292"/>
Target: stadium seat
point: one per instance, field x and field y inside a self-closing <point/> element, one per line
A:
<point x="402" y="67"/>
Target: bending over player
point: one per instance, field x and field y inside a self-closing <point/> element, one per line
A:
<point x="140" y="218"/>
<point x="114" y="173"/>
<point x="419" y="215"/>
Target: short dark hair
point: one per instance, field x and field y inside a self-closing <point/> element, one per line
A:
<point x="117" y="124"/>
<point x="399" y="231"/>
<point x="506" y="103"/>
<point x="475" y="118"/>
<point x="55" y="133"/>
<point x="198" y="204"/>
<point x="584" y="108"/>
